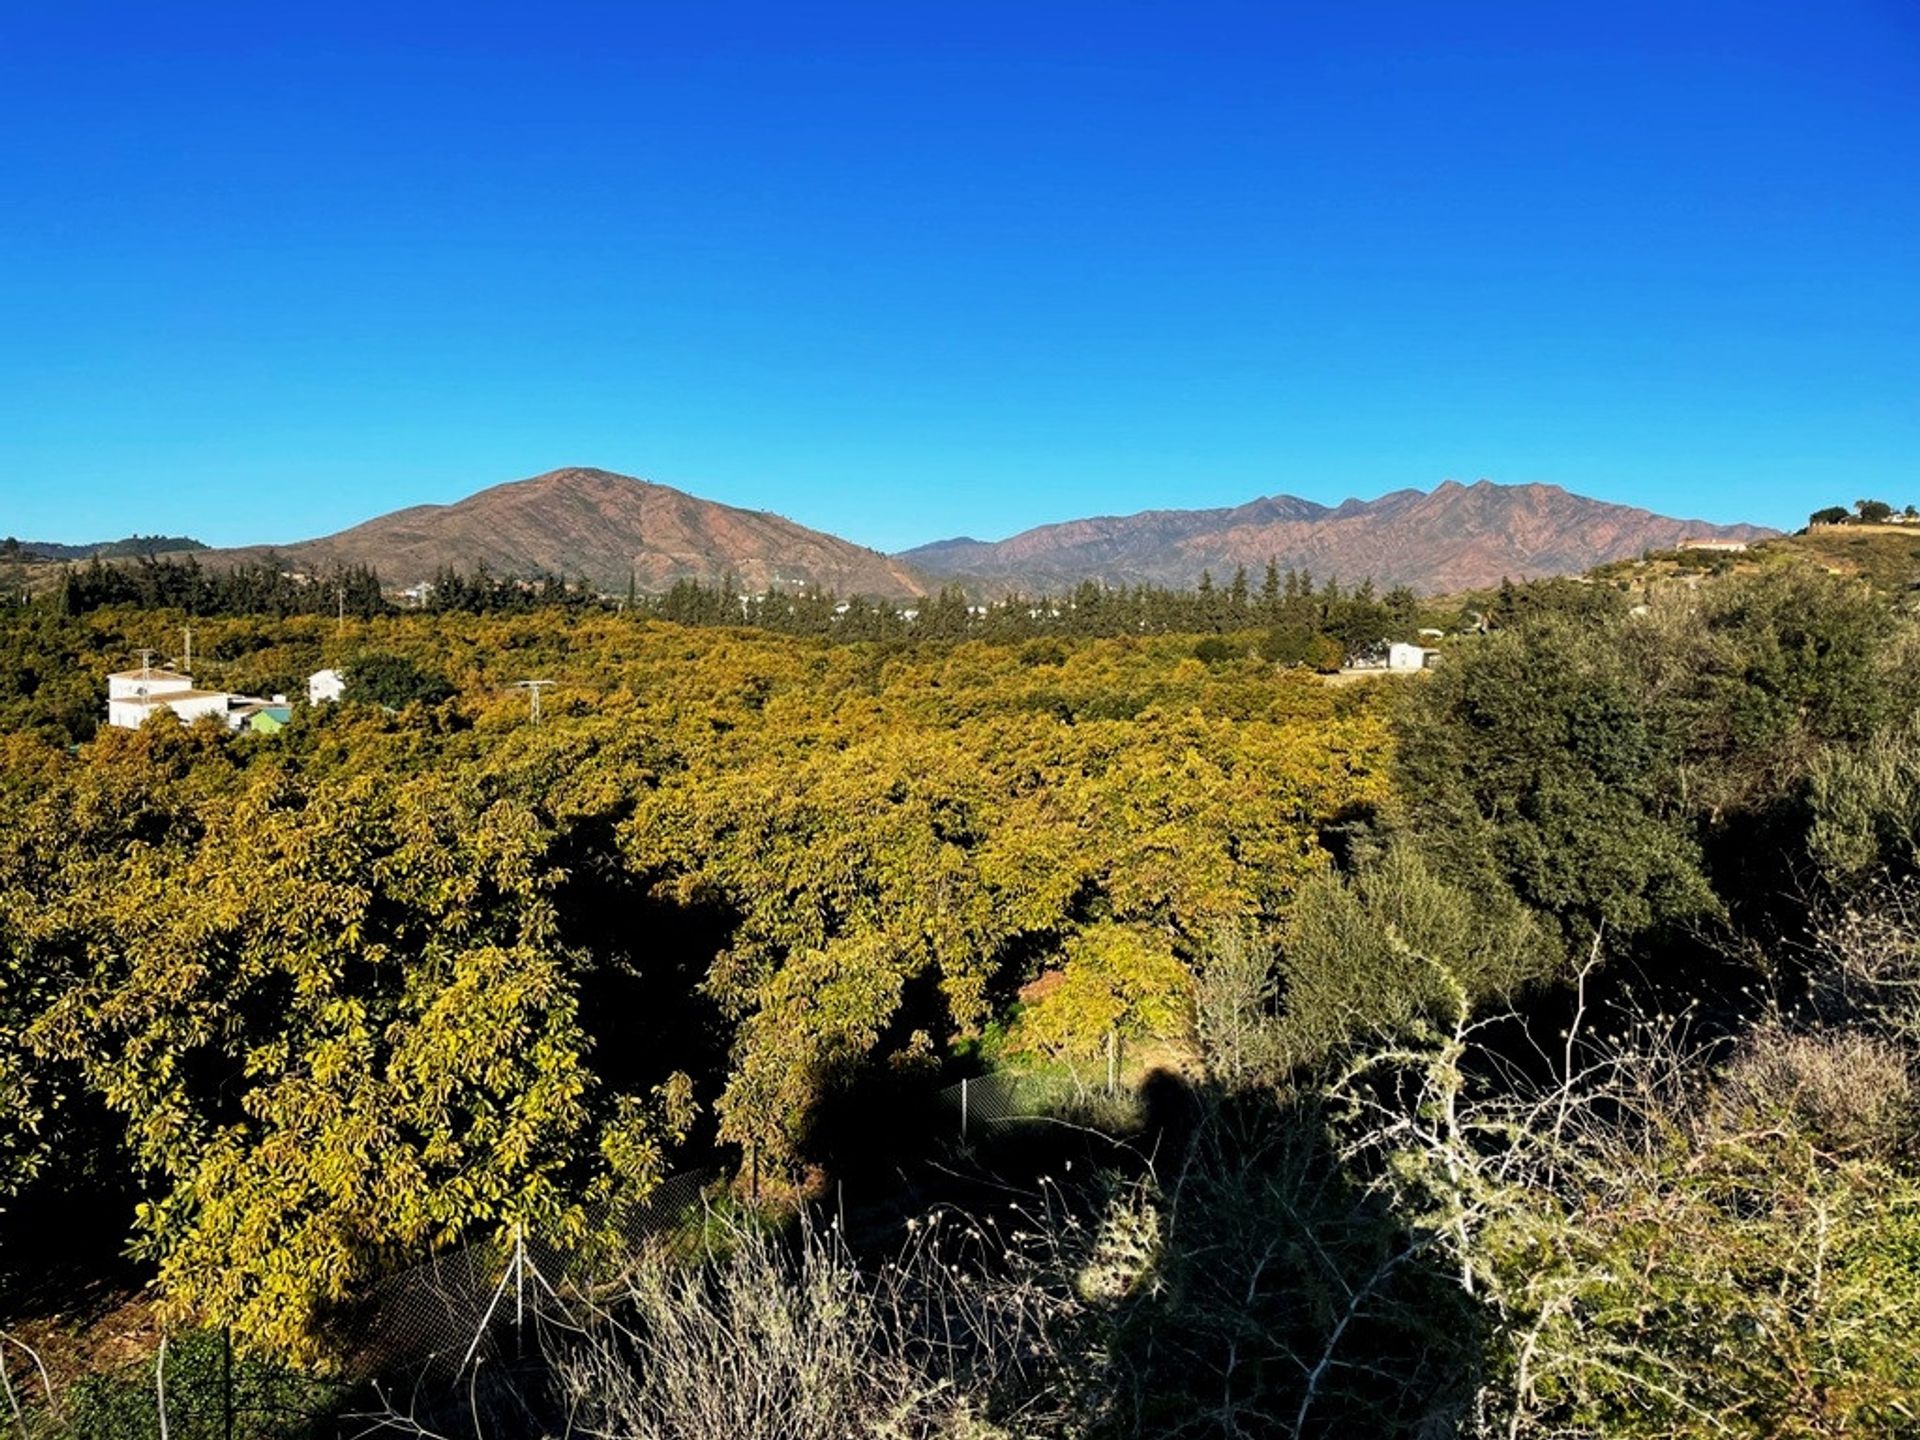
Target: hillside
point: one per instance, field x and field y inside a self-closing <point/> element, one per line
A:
<point x="603" y="526"/>
<point x="132" y="547"/>
<point x="1886" y="556"/>
<point x="1456" y="537"/>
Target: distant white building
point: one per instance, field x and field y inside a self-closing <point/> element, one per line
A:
<point x="1729" y="546"/>
<point x="325" y="685"/>
<point x="133" y="695"/>
<point x="1402" y="656"/>
<point x="147" y="680"/>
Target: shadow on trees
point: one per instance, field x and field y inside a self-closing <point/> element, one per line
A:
<point x="1286" y="1299"/>
<point x="643" y="999"/>
<point x="1282" y="1296"/>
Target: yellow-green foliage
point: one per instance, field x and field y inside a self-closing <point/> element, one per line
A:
<point x="1740" y="1283"/>
<point x="331" y="984"/>
<point x="1117" y="980"/>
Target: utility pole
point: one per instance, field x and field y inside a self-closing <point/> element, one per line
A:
<point x="186" y="641"/>
<point x="533" y="688"/>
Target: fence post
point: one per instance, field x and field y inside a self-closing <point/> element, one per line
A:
<point x="963" y="1108"/>
<point x="1113" y="1059"/>
<point x="160" y="1384"/>
<point x="519" y="1291"/>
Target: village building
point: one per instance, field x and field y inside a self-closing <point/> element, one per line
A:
<point x="262" y="717"/>
<point x="1728" y="546"/>
<point x="325" y="685"/>
<point x="1402" y="656"/>
<point x="1396" y="656"/>
<point x="147" y="680"/>
<point x="130" y="712"/>
<point x="133" y="695"/>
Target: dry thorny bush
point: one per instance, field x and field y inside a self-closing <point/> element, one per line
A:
<point x="975" y="1327"/>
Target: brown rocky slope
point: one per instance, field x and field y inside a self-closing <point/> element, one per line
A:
<point x="603" y="526"/>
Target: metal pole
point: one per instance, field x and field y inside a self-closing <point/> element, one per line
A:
<point x="519" y="1282"/>
<point x="963" y="1109"/>
<point x="160" y="1385"/>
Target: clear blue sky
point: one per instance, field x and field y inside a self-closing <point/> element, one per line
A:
<point x="909" y="270"/>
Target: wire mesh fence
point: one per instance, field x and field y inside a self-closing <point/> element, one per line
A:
<point x="983" y="1105"/>
<point x="481" y="1303"/>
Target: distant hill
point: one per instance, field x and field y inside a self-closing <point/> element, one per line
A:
<point x="603" y="526"/>
<point x="1455" y="537"/>
<point x="129" y="548"/>
<point x="1886" y="556"/>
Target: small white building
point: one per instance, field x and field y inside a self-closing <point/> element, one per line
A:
<point x="1730" y="547"/>
<point x="325" y="685"/>
<point x="1402" y="656"/>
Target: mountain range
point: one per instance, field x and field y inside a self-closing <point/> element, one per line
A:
<point x="1454" y="537"/>
<point x="610" y="529"/>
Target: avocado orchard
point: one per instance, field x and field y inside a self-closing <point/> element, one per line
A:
<point x="330" y="999"/>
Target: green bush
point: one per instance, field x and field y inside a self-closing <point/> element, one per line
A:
<point x="210" y="1394"/>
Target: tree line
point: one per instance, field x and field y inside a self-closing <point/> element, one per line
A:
<point x="1306" y="622"/>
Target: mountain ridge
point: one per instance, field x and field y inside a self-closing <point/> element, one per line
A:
<point x="1453" y="537"/>
<point x="580" y="521"/>
<point x="583" y="522"/>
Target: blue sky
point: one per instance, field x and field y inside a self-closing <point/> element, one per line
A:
<point x="907" y="270"/>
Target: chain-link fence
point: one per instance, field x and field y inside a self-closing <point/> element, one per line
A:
<point x="982" y="1106"/>
<point x="481" y="1304"/>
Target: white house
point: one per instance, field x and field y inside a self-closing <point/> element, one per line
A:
<point x="325" y="685"/>
<point x="148" y="680"/>
<point x="1402" y="656"/>
<point x="130" y="712"/>
<point x="133" y="695"/>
